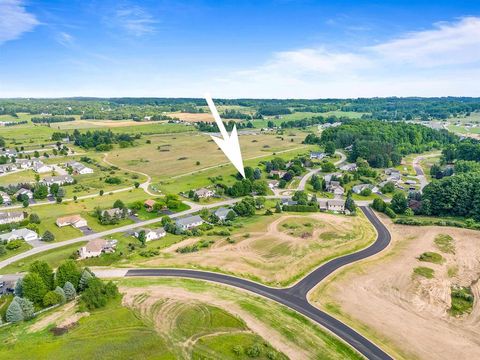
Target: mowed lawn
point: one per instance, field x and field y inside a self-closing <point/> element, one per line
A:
<point x="50" y="212"/>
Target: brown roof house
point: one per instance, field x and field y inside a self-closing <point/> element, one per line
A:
<point x="74" y="220"/>
<point x="96" y="247"/>
<point x="149" y="204"/>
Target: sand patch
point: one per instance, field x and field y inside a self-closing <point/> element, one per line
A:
<point x="411" y="311"/>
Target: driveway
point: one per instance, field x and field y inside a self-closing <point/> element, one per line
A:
<point x="86" y="230"/>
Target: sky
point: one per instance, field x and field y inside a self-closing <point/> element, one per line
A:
<point x="239" y="49"/>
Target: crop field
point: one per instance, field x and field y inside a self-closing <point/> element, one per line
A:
<point x="276" y="250"/>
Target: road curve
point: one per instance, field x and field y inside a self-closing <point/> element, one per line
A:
<point x="295" y="297"/>
<point x="307" y="176"/>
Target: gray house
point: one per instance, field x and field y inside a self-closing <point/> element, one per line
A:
<point x="189" y="222"/>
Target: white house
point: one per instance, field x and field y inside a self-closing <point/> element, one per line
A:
<point x="317" y="155"/>
<point x="10" y="153"/>
<point x="189" y="222"/>
<point x="348" y="167"/>
<point x="222" y="213"/>
<point x="40" y="167"/>
<point x="60" y="180"/>
<point x="24" y="191"/>
<point x="332" y="205"/>
<point x="25" y="234"/>
<point x="204" y="193"/>
<point x="273" y="184"/>
<point x="6" y="200"/>
<point x="75" y="220"/>
<point x="280" y="173"/>
<point x="151" y="234"/>
<point x="79" y="168"/>
<point x="4" y="168"/>
<point x="357" y="189"/>
<point x="11" y="217"/>
<point x="96" y="247"/>
<point x="24" y="163"/>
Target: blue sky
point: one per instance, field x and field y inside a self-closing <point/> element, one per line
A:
<point x="283" y="48"/>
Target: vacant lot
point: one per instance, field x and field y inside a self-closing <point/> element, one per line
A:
<point x="209" y="320"/>
<point x="275" y="250"/>
<point x="404" y="303"/>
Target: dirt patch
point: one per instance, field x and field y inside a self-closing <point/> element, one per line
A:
<point x="273" y="253"/>
<point x="412" y="311"/>
<point x="159" y="303"/>
<point x="61" y="313"/>
<point x="207" y="117"/>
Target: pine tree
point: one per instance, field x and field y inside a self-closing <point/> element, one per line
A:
<point x="84" y="279"/>
<point x="60" y="292"/>
<point x="19" y="288"/>
<point x="69" y="290"/>
<point x="27" y="308"/>
<point x="14" y="312"/>
<point x="278" y="208"/>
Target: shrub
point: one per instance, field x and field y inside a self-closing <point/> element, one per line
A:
<point x="60" y="292"/>
<point x="424" y="271"/>
<point x="253" y="351"/>
<point x="390" y="213"/>
<point x="432" y="257"/>
<point x="14" y="244"/>
<point x="48" y="236"/>
<point x="51" y="298"/>
<point x="97" y="294"/>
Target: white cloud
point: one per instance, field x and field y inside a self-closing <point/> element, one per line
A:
<point x="448" y="43"/>
<point x="65" y="39"/>
<point x="135" y="20"/>
<point x="444" y="60"/>
<point x="14" y="20"/>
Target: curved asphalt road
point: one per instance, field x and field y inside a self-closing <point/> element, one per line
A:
<point x="295" y="297"/>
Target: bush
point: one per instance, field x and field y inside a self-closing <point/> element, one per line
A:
<point x="51" y="298"/>
<point x="390" y="213"/>
<point x="48" y="236"/>
<point x="424" y="271"/>
<point x="97" y="294"/>
<point x="253" y="351"/>
<point x="62" y="294"/>
<point x="432" y="257"/>
<point x="14" y="244"/>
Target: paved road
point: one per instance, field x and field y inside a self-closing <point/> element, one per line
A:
<point x="419" y="171"/>
<point x="194" y="208"/>
<point x="295" y="297"/>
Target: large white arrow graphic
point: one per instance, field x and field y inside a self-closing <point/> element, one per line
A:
<point x="229" y="144"/>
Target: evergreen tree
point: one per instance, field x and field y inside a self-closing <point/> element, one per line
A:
<point x="85" y="278"/>
<point x="27" y="308"/>
<point x="69" y="290"/>
<point x="18" y="291"/>
<point x="278" y="208"/>
<point x="14" y="312"/>
<point x="60" y="292"/>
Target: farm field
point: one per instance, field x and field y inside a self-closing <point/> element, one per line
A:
<point x="276" y="250"/>
<point x="167" y="157"/>
<point x="174" y="319"/>
<point x="404" y="303"/>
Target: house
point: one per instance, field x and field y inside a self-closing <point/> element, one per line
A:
<point x="410" y="182"/>
<point x="6" y="200"/>
<point x="317" y="155"/>
<point x="273" y="184"/>
<point x="151" y="234"/>
<point x="288" y="202"/>
<point x="222" y="213"/>
<point x="328" y="178"/>
<point x="279" y="173"/>
<point x="357" y="189"/>
<point x="40" y="167"/>
<point x="149" y="204"/>
<point x="331" y="205"/>
<point x="24" y="163"/>
<point x="349" y="167"/>
<point x="74" y="220"/>
<point x="204" y="193"/>
<point x="4" y="168"/>
<point x="25" y="234"/>
<point x="11" y="217"/>
<point x="116" y="212"/>
<point x="10" y="153"/>
<point x="96" y="247"/>
<point x="24" y="191"/>
<point x="336" y="205"/>
<point x="59" y="180"/>
<point x="78" y="168"/>
<point x="189" y="222"/>
<point x="349" y="148"/>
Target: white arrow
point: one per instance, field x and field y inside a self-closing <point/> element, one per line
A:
<point x="229" y="144"/>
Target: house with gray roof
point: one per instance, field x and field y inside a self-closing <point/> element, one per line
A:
<point x="25" y="234"/>
<point x="222" y="213"/>
<point x="60" y="180"/>
<point x="11" y="217"/>
<point x="189" y="222"/>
